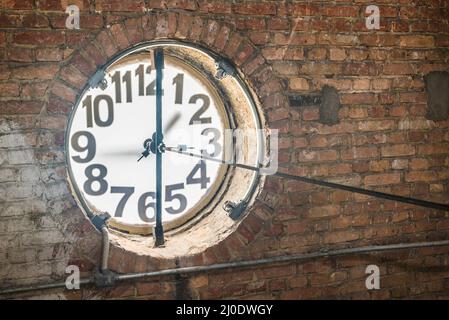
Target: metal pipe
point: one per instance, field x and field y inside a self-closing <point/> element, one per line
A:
<point x="281" y="259"/>
<point x="245" y="264"/>
<point x="105" y="249"/>
<point x="42" y="287"/>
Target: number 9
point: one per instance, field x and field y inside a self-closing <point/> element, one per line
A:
<point x="90" y="147"/>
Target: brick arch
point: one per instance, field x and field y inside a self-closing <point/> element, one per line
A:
<point x="214" y="35"/>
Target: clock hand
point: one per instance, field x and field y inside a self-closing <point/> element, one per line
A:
<point x="149" y="144"/>
<point x="170" y="124"/>
<point x="158" y="229"/>
<point x="328" y="184"/>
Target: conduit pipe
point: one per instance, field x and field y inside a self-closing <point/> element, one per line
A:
<point x="105" y="249"/>
<point x="242" y="264"/>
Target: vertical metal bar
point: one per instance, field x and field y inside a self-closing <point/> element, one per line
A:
<point x="159" y="62"/>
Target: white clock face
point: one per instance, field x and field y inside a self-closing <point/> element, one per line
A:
<point x="107" y="134"/>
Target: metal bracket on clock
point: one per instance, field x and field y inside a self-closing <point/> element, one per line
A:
<point x="224" y="69"/>
<point x="235" y="210"/>
<point x="99" y="80"/>
<point x="100" y="220"/>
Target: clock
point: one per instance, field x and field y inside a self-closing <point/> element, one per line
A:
<point x="141" y="104"/>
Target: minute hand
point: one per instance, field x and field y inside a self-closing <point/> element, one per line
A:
<point x="159" y="62"/>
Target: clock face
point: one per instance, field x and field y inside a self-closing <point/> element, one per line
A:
<point x="111" y="126"/>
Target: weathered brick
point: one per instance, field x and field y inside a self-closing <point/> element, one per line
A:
<point x="382" y="179"/>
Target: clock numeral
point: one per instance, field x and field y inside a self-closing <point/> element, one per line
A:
<point x="118" y="86"/>
<point x="90" y="146"/>
<point x="214" y="142"/>
<point x="127" y="192"/>
<point x="196" y="118"/>
<point x="203" y="180"/>
<point x="99" y="178"/>
<point x="143" y="206"/>
<point x="140" y="75"/>
<point x="94" y="115"/>
<point x="127" y="81"/>
<point x="178" y="81"/>
<point x="169" y="196"/>
<point x="150" y="89"/>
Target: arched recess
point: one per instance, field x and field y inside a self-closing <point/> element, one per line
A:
<point x="216" y="36"/>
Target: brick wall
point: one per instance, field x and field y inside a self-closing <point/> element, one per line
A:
<point x="381" y="140"/>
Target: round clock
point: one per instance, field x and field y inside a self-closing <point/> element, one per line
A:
<point x="115" y="143"/>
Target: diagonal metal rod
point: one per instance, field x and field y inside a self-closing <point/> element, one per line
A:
<point x="377" y="194"/>
<point x="159" y="231"/>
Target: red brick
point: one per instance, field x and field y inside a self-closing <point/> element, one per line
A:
<point x="35" y="20"/>
<point x="417" y="41"/>
<point x="215" y="6"/>
<point x="341" y="236"/>
<point x="382" y="179"/>
<point x="10" y="20"/>
<point x="359" y="153"/>
<point x="341" y="11"/>
<point x="19" y="54"/>
<point x="183" y="26"/>
<point x="119" y="5"/>
<point x="39" y="37"/>
<point x="358" y="98"/>
<point x="61" y="90"/>
<point x="36" y="71"/>
<point x="82" y="64"/>
<point x="18" y="4"/>
<point x="254" y="8"/>
<point x="210" y="32"/>
<point x="9" y="89"/>
<point x="34" y="89"/>
<point x="106" y="44"/>
<point x="433" y="149"/>
<point x="118" y="34"/>
<point x="49" y="54"/>
<point x="294" y="39"/>
<point x="197" y="28"/>
<point x="398" y="69"/>
<point x="73" y="77"/>
<point x="20" y="107"/>
<point x="376" y="125"/>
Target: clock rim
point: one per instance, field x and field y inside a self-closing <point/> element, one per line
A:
<point x="197" y="214"/>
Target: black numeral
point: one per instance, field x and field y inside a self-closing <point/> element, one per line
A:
<point x="143" y="206"/>
<point x="203" y="180"/>
<point x="90" y="146"/>
<point x="178" y="81"/>
<point x="127" y="192"/>
<point x="151" y="89"/>
<point x="118" y="86"/>
<point x="127" y="80"/>
<point x="98" y="178"/>
<point x="196" y="118"/>
<point x="95" y="115"/>
<point x="214" y="141"/>
<point x="139" y="73"/>
<point x="169" y="196"/>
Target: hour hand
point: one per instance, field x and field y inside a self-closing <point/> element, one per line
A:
<point x="147" y="151"/>
<point x="145" y="154"/>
